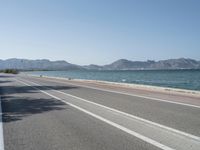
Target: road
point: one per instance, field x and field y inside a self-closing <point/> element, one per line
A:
<point x="41" y="113"/>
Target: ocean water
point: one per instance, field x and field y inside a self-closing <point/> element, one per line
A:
<point x="184" y="79"/>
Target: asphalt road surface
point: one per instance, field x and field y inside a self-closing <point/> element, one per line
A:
<point x="52" y="114"/>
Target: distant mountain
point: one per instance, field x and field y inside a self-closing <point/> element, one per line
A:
<point x="43" y="64"/>
<point x="124" y="64"/>
<point x="121" y="64"/>
<point x="93" y="67"/>
<point x="181" y="63"/>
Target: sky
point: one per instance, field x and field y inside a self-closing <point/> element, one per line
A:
<point x="99" y="31"/>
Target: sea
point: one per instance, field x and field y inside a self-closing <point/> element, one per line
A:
<point x="182" y="79"/>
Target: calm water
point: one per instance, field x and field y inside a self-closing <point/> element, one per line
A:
<point x="185" y="79"/>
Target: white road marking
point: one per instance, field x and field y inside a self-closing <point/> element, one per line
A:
<point x="146" y="139"/>
<point x="128" y="115"/>
<point x="39" y="90"/>
<point x="134" y="95"/>
<point x="1" y="128"/>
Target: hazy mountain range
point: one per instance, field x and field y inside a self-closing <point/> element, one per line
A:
<point x="42" y="64"/>
<point x="122" y="64"/>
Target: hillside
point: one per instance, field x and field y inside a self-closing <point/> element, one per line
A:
<point x="121" y="64"/>
<point x="43" y="64"/>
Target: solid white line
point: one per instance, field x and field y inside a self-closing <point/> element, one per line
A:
<point x="146" y="139"/>
<point x="1" y="128"/>
<point x="134" y="95"/>
<point x="128" y="115"/>
<point x="39" y="90"/>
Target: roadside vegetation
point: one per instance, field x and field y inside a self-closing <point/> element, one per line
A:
<point x="10" y="71"/>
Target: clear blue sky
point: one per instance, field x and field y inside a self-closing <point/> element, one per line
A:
<point x="99" y="31"/>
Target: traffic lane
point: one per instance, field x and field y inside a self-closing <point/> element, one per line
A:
<point x="180" y="117"/>
<point x="166" y="93"/>
<point x="34" y="121"/>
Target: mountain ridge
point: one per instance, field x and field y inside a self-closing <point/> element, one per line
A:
<point x="121" y="64"/>
<point x="38" y="64"/>
<point x="124" y="64"/>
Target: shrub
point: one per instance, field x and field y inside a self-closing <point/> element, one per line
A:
<point x="11" y="71"/>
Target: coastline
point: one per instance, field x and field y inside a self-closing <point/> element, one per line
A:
<point x="148" y="88"/>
